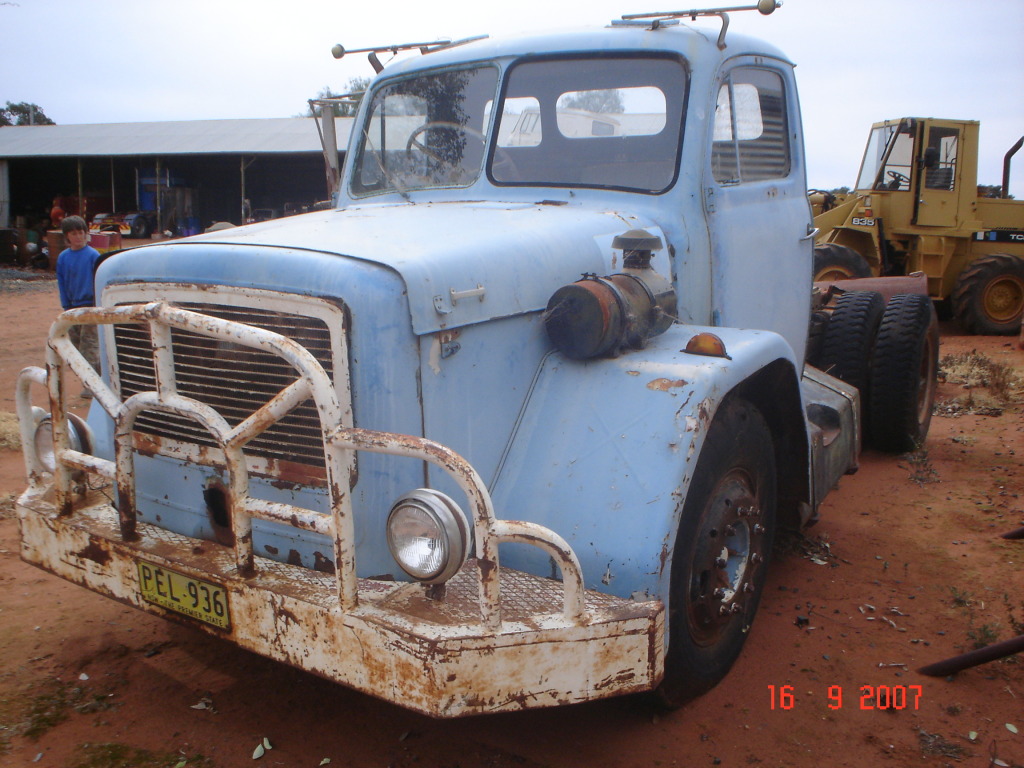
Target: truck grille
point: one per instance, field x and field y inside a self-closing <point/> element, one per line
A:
<point x="235" y="380"/>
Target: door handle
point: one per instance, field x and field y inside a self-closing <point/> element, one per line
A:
<point x="812" y="232"/>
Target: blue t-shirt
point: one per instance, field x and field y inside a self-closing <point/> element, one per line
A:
<point x="75" y="275"/>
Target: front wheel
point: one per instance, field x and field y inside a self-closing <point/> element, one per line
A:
<point x="837" y="262"/>
<point x="721" y="553"/>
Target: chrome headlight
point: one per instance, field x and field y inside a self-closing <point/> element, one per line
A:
<point x="78" y="439"/>
<point x="428" y="535"/>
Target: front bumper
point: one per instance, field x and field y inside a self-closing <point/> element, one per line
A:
<point x="492" y="639"/>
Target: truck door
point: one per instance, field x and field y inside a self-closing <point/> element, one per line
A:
<point x="756" y="201"/>
<point x="937" y="176"/>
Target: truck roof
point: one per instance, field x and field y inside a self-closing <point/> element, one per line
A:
<point x="692" y="42"/>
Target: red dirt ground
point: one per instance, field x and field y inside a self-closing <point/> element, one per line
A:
<point x="898" y="574"/>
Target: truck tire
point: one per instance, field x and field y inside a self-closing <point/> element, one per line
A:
<point x="140" y="227"/>
<point x="989" y="295"/>
<point x="721" y="553"/>
<point x="903" y="369"/>
<point x="837" y="262"/>
<point x="849" y="339"/>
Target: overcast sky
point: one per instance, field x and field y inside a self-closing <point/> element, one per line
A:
<point x="859" y="61"/>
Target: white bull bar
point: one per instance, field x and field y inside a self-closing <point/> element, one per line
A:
<point x="59" y="524"/>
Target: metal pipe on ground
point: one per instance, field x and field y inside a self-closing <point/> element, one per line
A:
<point x="970" y="659"/>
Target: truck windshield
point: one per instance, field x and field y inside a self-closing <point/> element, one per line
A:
<point x="427" y="131"/>
<point x="612" y="121"/>
<point x="888" y="158"/>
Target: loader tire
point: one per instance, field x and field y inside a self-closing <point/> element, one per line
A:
<point x="849" y="339"/>
<point x="720" y="560"/>
<point x="837" y="262"/>
<point x="989" y="295"/>
<point x="903" y="370"/>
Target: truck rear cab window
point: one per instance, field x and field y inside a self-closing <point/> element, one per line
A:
<point x="751" y="140"/>
<point x="426" y="131"/>
<point x="612" y="122"/>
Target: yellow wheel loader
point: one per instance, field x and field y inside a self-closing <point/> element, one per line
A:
<point x="917" y="208"/>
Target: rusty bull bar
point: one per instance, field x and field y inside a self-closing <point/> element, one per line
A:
<point x="625" y="637"/>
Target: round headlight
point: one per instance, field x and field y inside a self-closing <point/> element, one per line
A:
<point x="428" y="535"/>
<point x="78" y="439"/>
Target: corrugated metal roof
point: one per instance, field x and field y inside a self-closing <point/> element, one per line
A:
<point x="182" y="137"/>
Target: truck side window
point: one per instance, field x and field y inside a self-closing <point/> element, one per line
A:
<point x="751" y="141"/>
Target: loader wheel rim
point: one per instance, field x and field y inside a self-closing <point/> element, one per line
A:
<point x="833" y="274"/>
<point x="1003" y="298"/>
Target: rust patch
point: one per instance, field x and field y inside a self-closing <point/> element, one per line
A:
<point x="294" y="558"/>
<point x="95" y="553"/>
<point x="322" y="564"/>
<point x="270" y="549"/>
<point x="665" y="385"/>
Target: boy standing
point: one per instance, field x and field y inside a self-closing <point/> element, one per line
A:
<point x="76" y="267"/>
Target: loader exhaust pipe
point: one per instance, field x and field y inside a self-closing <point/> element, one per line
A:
<point x="1006" y="166"/>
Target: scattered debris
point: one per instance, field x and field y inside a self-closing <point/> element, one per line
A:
<point x="204" y="703"/>
<point x="262" y="748"/>
<point x="935" y="744"/>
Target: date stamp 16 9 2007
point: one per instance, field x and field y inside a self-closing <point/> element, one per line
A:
<point x="869" y="697"/>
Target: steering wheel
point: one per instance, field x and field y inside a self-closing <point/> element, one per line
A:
<point x="415" y="143"/>
<point x="899" y="178"/>
<point x="501" y="157"/>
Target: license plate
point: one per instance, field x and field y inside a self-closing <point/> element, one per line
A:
<point x="183" y="594"/>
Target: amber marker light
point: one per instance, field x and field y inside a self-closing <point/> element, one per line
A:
<point x="707" y="344"/>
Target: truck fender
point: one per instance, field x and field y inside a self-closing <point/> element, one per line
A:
<point x="603" y="450"/>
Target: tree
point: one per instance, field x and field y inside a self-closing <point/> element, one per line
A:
<point x="23" y="113"/>
<point x="355" y="87"/>
<point x="609" y="101"/>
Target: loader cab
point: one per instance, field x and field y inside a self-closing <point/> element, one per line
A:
<point x="921" y="172"/>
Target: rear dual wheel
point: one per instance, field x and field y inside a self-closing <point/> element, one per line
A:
<point x="890" y="354"/>
<point x="903" y="371"/>
<point x="849" y="339"/>
<point x="721" y="554"/>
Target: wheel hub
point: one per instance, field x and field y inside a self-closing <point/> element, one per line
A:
<point x="727" y="553"/>
<point x="1003" y="298"/>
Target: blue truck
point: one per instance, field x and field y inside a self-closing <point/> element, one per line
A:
<point x="518" y="422"/>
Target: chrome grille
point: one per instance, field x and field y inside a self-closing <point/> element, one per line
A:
<point x="233" y="379"/>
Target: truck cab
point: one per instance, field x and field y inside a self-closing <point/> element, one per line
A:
<point x="516" y="424"/>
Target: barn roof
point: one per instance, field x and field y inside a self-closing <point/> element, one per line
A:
<point x="181" y="137"/>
